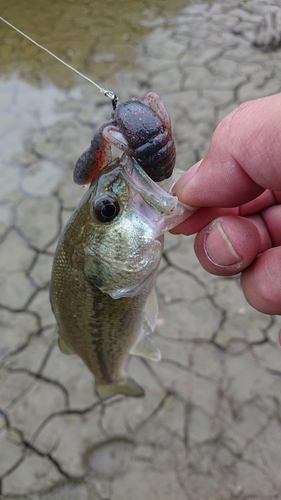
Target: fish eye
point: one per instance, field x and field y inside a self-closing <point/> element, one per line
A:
<point x="106" y="209"/>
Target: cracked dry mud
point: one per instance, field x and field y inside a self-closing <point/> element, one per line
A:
<point x="209" y="426"/>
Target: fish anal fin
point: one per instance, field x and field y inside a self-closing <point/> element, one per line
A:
<point x="127" y="386"/>
<point x="146" y="348"/>
<point x="65" y="349"/>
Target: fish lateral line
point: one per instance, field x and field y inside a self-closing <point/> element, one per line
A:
<point x="108" y="93"/>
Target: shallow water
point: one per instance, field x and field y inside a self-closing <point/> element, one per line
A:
<point x="97" y="37"/>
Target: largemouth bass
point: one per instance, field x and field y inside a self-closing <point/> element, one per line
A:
<point x="102" y="286"/>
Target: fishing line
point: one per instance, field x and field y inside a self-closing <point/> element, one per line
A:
<point x="107" y="93"/>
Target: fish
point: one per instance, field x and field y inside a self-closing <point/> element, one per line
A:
<point x="102" y="286"/>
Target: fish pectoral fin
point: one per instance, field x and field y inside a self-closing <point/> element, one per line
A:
<point x="146" y="348"/>
<point x="151" y="309"/>
<point x="64" y="347"/>
<point x="127" y="386"/>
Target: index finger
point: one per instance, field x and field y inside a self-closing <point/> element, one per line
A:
<point x="243" y="160"/>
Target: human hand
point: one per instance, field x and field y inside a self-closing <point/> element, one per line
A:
<point x="238" y="189"/>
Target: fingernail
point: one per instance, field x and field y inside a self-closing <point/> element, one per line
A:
<point x="185" y="178"/>
<point x="219" y="248"/>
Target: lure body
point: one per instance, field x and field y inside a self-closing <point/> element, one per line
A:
<point x="139" y="132"/>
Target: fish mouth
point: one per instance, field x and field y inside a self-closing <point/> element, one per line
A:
<point x="155" y="201"/>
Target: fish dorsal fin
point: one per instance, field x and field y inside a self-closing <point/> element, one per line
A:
<point x="151" y="310"/>
<point x="146" y="348"/>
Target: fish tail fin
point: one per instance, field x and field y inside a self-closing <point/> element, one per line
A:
<point x="126" y="386"/>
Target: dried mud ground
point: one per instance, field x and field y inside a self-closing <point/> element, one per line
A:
<point x="209" y="426"/>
